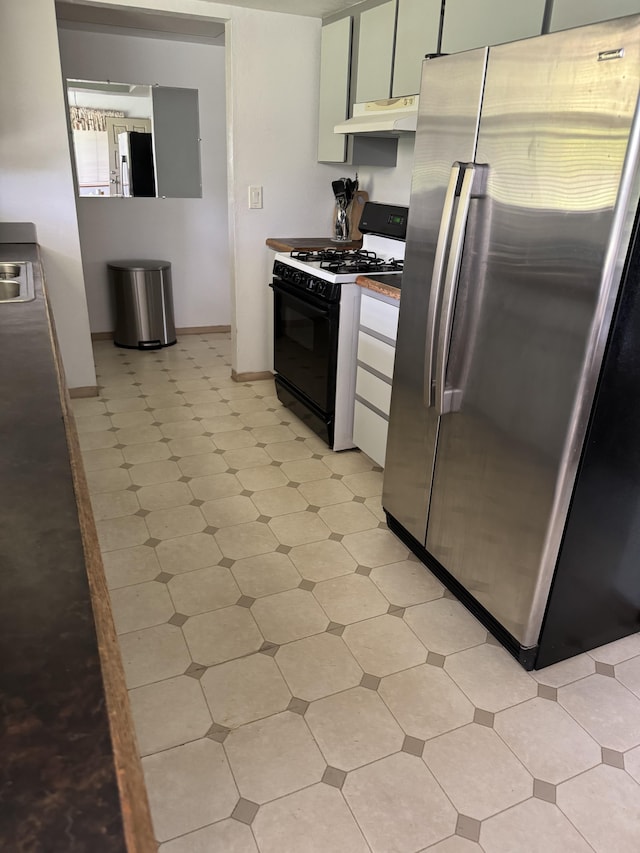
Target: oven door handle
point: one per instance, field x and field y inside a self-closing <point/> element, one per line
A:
<point x="310" y="302"/>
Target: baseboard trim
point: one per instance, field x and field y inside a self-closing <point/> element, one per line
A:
<point x="251" y="377"/>
<point x="101" y="336"/>
<point x="84" y="391"/>
<point x="202" y="330"/>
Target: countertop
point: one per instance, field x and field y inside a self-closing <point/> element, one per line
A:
<point x="309" y="244"/>
<point x="67" y="779"/>
<point x="383" y="284"/>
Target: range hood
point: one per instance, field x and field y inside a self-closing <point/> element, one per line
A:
<point x="391" y="117"/>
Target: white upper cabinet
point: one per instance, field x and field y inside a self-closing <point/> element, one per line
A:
<point x="335" y="67"/>
<point x="475" y="23"/>
<point x="574" y="13"/>
<point x="416" y="34"/>
<point x="375" y="52"/>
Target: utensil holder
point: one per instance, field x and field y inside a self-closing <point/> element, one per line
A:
<point x="342" y="225"/>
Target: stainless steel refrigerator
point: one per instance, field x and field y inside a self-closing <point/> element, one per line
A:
<point x="513" y="456"/>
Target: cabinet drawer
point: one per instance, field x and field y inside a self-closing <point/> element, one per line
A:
<point x="373" y="390"/>
<point x="376" y="354"/>
<point x="370" y="433"/>
<point x="379" y="316"/>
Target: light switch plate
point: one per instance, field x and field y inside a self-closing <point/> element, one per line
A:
<point x="255" y="198"/>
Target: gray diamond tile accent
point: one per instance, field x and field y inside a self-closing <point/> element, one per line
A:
<point x="245" y="811"/>
<point x="163" y="577"/>
<point x="276" y="464"/>
<point x="196" y="502"/>
<point x="230" y="470"/>
<point x="165" y="440"/>
<point x="184" y="479"/>
<point x="317" y="456"/>
<point x="245" y="601"/>
<point x="613" y="758"/>
<point x="546" y="692"/>
<point x="119" y="446"/>
<point x="605" y="669"/>
<point x="197" y="419"/>
<point x="362" y="570"/>
<point x="195" y="670"/>
<point x="335" y="628"/>
<point x="382" y="525"/>
<point x="258" y="443"/>
<point x="292" y="485"/>
<point x="112" y="429"/>
<point x="283" y="549"/>
<point x="126" y="466"/>
<point x="269" y="648"/>
<point x="227" y="562"/>
<point x="396" y="610"/>
<point x="133" y="488"/>
<point x="305" y="584"/>
<point x="210" y="529"/>
<point x="217" y="733"/>
<point x="448" y="594"/>
<point x="142" y="512"/>
<point x="174" y="458"/>
<point x="156" y="423"/>
<point x="371" y="682"/>
<point x="334" y="777"/>
<point x="335" y="477"/>
<point x="378" y="469"/>
<point x="435" y="659"/>
<point x="178" y="619"/>
<point x="298" y="706"/>
<point x="483" y="718"/>
<point x="246" y="493"/>
<point x="263" y="519"/>
<point x="357" y="499"/>
<point x="468" y="827"/>
<point x="299" y="438"/>
<point x="413" y="745"/>
<point x="152" y="543"/>
<point x="311" y="508"/>
<point x="544" y="791"/>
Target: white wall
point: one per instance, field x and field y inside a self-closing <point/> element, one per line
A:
<point x="190" y="233"/>
<point x="35" y="170"/>
<point x="391" y="185"/>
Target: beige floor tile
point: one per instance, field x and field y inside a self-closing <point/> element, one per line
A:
<point x="234" y="440"/>
<point x="349" y="462"/>
<point x="249" y="404"/>
<point x="194" y="446"/>
<point x="150" y="473"/>
<point x="119" y="391"/>
<point x="201" y="464"/>
<point x="116" y="533"/>
<point x="92" y="423"/>
<point x="478" y="772"/>
<point x="121" y="420"/>
<point x="265" y="574"/>
<point x="114" y="504"/>
<point x="406" y="583"/>
<point x="619" y="651"/>
<point x="246" y="540"/>
<point x="289" y="451"/>
<point x="215" y="486"/>
<point x="102" y="459"/>
<point x="271" y="434"/>
<point x="325" y="492"/>
<point x="189" y="787"/>
<point x="348" y="518"/>
<point x="632" y="763"/>
<point x="375" y="548"/>
<point x="260" y="419"/>
<point x="455" y="844"/>
<point x="384" y="645"/>
<point x="604" y="805"/>
<point x="566" y="671"/>
<point x="222" y="635"/>
<point x="227" y="836"/>
<point x="138" y="435"/>
<point x="183" y="429"/>
<point x="245" y="690"/>
<point x="164" y="496"/>
<point x="165" y="401"/>
<point x="606" y="709"/>
<point x="140" y="606"/>
<point x="550" y="744"/>
<point x="315" y="820"/>
<point x="425" y="701"/>
<point x="375" y="505"/>
<point x="299" y="528"/>
<point x="279" y="501"/>
<point x="490" y="677"/>
<point x="262" y="477"/>
<point x="445" y="626"/>
<point x="153" y="654"/>
<point x="96" y="440"/>
<point x="246" y="457"/>
<point x="87" y="407"/>
<point x="399" y="805"/>
<point x="173" y="414"/>
<point x="629" y="674"/>
<point x="237" y="392"/>
<point x="306" y="470"/>
<point x="130" y="566"/>
<point x="203" y="589"/>
<point x="289" y="615"/>
<point x="318" y="666"/>
<point x="169" y="523"/>
<point x="534" y="826"/>
<point x="203" y="396"/>
<point x="169" y="713"/>
<point x="366" y="485"/>
<point x="223" y="423"/>
<point x="228" y="511"/>
<point x="319" y="561"/>
<point x="185" y="553"/>
<point x="274" y="757"/>
<point x="353" y="728"/>
<point x="350" y="598"/>
<point x="127" y="404"/>
<point x="156" y="451"/>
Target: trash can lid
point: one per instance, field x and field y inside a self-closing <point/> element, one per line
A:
<point x="138" y="265"/>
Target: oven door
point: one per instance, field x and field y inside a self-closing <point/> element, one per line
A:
<point x="306" y="344"/>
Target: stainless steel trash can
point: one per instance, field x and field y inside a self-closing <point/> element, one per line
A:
<point x="143" y="304"/>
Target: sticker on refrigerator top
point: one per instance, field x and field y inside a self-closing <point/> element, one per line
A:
<point x="610" y="54"/>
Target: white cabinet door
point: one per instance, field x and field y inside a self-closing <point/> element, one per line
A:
<point x="335" y="66"/>
<point x="375" y="52"/>
<point x="475" y="23"/>
<point x="416" y="34"/>
<point x="574" y="13"/>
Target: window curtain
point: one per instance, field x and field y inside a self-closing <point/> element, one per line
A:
<point x="88" y="118"/>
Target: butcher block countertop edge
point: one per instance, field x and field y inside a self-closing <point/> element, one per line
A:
<point x="380" y="286"/>
<point x="309" y="244"/>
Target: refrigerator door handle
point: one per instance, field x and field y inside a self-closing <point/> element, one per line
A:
<point x="437" y="278"/>
<point x="449" y="400"/>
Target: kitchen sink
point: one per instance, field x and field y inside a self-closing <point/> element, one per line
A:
<point x="16" y="281"/>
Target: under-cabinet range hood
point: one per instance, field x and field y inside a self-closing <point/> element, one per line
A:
<point x="391" y="117"/>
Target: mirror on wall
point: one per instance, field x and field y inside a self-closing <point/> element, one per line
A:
<point x="134" y="140"/>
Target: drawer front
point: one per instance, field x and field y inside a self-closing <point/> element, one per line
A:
<point x="370" y="433"/>
<point x="376" y="354"/>
<point x="379" y="316"/>
<point x="373" y="390"/>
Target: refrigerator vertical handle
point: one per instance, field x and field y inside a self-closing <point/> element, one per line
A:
<point x="437" y="278"/>
<point x="444" y="399"/>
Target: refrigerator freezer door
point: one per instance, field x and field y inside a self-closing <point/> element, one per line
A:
<point x="556" y="117"/>
<point x="450" y="99"/>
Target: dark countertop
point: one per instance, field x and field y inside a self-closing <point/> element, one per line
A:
<point x="383" y="284"/>
<point x="58" y="780"/>
<point x="308" y="244"/>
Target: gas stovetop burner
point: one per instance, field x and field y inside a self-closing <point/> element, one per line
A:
<point x="361" y="262"/>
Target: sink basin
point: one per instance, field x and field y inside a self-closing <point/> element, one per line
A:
<point x="16" y="281"/>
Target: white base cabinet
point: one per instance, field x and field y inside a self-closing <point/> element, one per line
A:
<point x="376" y="355"/>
